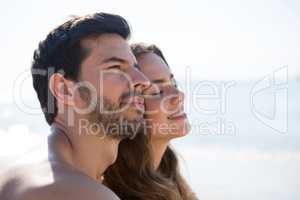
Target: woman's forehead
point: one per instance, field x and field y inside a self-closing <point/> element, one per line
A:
<point x="153" y="66"/>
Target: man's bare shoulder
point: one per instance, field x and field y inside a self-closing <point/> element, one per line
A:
<point x="72" y="191"/>
<point x="46" y="181"/>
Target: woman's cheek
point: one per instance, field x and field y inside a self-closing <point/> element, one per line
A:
<point x="153" y="111"/>
<point x="151" y="107"/>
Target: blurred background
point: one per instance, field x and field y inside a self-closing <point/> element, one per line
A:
<point x="237" y="61"/>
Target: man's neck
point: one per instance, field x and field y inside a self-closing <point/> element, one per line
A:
<point x="89" y="154"/>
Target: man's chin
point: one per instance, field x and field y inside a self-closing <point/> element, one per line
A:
<point x="127" y="128"/>
<point x="134" y="114"/>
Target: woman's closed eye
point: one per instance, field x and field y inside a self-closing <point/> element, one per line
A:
<point x="157" y="93"/>
<point x="153" y="91"/>
<point x="115" y="67"/>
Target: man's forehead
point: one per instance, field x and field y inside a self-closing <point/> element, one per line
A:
<point x="107" y="46"/>
<point x="105" y="39"/>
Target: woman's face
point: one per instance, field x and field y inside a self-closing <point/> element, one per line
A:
<point x="165" y="114"/>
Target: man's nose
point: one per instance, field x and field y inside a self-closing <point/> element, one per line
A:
<point x="139" y="81"/>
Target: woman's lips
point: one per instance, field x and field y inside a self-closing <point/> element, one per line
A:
<point x="179" y="116"/>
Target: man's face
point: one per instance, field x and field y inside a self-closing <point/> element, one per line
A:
<point x="115" y="84"/>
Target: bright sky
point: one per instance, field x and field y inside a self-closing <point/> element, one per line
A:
<point x="217" y="39"/>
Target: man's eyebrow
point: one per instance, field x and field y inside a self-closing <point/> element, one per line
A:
<point x="114" y="59"/>
<point x="158" y="81"/>
<point x="121" y="60"/>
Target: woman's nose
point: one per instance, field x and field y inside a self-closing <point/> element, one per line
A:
<point x="178" y="97"/>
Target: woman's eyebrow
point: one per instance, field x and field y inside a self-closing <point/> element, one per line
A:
<point x="162" y="80"/>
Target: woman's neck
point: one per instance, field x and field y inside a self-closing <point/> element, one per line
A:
<point x="159" y="147"/>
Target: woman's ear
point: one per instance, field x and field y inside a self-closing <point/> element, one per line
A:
<point x="62" y="89"/>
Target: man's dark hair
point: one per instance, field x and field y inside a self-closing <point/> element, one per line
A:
<point x="61" y="52"/>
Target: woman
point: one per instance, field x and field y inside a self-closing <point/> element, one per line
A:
<point x="147" y="168"/>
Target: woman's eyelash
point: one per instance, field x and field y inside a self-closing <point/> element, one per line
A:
<point x="115" y="67"/>
<point x="158" y="93"/>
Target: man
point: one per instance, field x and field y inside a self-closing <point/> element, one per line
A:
<point x="89" y="87"/>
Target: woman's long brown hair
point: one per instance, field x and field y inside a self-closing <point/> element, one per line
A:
<point x="133" y="177"/>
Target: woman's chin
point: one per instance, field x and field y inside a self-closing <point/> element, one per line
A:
<point x="181" y="133"/>
<point x="178" y="133"/>
<point x="183" y="130"/>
